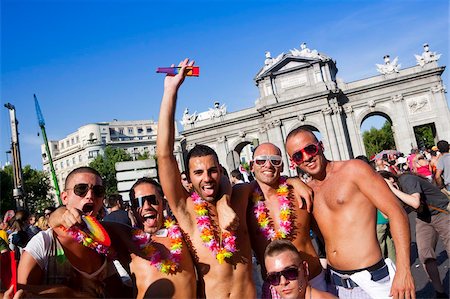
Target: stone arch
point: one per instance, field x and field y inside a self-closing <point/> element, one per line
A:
<point x="379" y="111"/>
<point x="233" y="156"/>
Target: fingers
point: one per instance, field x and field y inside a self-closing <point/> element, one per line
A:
<point x="71" y="217"/>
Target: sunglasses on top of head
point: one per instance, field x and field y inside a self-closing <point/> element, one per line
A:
<point x="82" y="189"/>
<point x="275" y="160"/>
<point x="290" y="273"/>
<point x="138" y="202"/>
<point x="311" y="150"/>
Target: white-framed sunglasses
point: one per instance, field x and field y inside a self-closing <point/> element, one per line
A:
<point x="275" y="160"/>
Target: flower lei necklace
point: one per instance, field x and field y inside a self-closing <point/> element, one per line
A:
<point x="207" y="231"/>
<point x="91" y="235"/>
<point x="262" y="214"/>
<point x="170" y="264"/>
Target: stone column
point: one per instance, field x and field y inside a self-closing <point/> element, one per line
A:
<point x="442" y="111"/>
<point x="403" y="131"/>
<point x="222" y="150"/>
<point x="331" y="134"/>
<point x="276" y="137"/>
<point x="353" y="131"/>
<point x="339" y="129"/>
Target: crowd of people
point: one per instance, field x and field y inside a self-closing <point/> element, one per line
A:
<point x="199" y="234"/>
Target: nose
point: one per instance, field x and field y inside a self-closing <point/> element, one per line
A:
<point x="283" y="281"/>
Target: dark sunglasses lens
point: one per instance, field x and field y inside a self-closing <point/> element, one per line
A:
<point x="99" y="191"/>
<point x="81" y="189"/>
<point x="290" y="274"/>
<point x="151" y="199"/>
<point x="139" y="201"/>
<point x="275" y="162"/>
<point x="260" y="162"/>
<point x="311" y="149"/>
<point x="274" y="278"/>
<point x="297" y="157"/>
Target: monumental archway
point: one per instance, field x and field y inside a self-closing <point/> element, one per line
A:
<point x="300" y="88"/>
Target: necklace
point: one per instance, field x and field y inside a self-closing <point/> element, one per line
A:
<point x="91" y="235"/>
<point x="167" y="265"/>
<point x="207" y="231"/>
<point x="262" y="213"/>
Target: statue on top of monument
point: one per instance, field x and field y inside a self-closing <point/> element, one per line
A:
<point x="188" y="119"/>
<point x="306" y="52"/>
<point x="427" y="56"/>
<point x="388" y="67"/>
<point x="217" y="111"/>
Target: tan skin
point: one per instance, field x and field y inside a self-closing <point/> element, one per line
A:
<point x="267" y="177"/>
<point x="232" y="279"/>
<point x="149" y="280"/>
<point x="293" y="289"/>
<point x="343" y="191"/>
<point x="30" y="276"/>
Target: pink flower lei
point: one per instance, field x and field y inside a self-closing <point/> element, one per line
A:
<point x="170" y="264"/>
<point x="87" y="239"/>
<point x="262" y="214"/>
<point x="207" y="231"/>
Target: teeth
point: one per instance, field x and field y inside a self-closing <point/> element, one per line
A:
<point x="152" y="216"/>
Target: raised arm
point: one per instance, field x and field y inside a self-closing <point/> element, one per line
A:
<point x="168" y="171"/>
<point x="374" y="187"/>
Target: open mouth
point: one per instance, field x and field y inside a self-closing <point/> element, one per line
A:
<point x="88" y="208"/>
<point x="149" y="216"/>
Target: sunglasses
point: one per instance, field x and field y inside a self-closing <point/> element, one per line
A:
<point x="310" y="150"/>
<point x="82" y="189"/>
<point x="275" y="160"/>
<point x="290" y="273"/>
<point x="138" y="202"/>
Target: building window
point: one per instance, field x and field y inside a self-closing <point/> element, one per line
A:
<point x="130" y="130"/>
<point x="149" y="130"/>
<point x="73" y="160"/>
<point x="78" y="139"/>
<point x="92" y="154"/>
<point x="140" y="130"/>
<point x="112" y="131"/>
<point x="62" y="164"/>
<point x="67" y="143"/>
<point x="103" y="139"/>
<point x="67" y="163"/>
<point x="72" y="141"/>
<point x="62" y="145"/>
<point x="120" y="130"/>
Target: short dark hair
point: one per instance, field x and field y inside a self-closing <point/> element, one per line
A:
<point x="83" y="169"/>
<point x="237" y="174"/>
<point x="363" y="158"/>
<point x="300" y="130"/>
<point x="200" y="150"/>
<point x="443" y="146"/>
<point x="279" y="246"/>
<point x="114" y="200"/>
<point x="387" y="175"/>
<point x="145" y="180"/>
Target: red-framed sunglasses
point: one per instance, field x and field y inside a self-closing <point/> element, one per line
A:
<point x="311" y="150"/>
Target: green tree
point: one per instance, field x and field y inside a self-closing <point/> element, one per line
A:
<point x="424" y="136"/>
<point x="377" y="140"/>
<point x="36" y="185"/>
<point x="105" y="165"/>
<point x="6" y="189"/>
<point x="143" y="156"/>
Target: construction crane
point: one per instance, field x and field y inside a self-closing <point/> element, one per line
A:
<point x="47" y="148"/>
<point x="18" y="191"/>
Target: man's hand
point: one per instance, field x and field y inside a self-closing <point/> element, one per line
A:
<point x="302" y="192"/>
<point x="9" y="294"/>
<point x="65" y="217"/>
<point x="228" y="220"/>
<point x="172" y="83"/>
<point x="403" y="285"/>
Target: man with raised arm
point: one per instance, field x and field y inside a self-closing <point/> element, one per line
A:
<point x="223" y="258"/>
<point x="346" y="196"/>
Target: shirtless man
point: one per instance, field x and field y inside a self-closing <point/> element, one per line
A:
<point x="288" y="273"/>
<point x="223" y="278"/>
<point x="54" y="263"/>
<point x="147" y="198"/>
<point x="346" y="196"/>
<point x="267" y="166"/>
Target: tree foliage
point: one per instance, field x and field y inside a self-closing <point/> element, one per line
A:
<point x="424" y="136"/>
<point x="36" y="185"/>
<point x="377" y="140"/>
<point x="105" y="165"/>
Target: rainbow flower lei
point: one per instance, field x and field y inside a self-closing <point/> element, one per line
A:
<point x="170" y="264"/>
<point x="262" y="214"/>
<point x="92" y="236"/>
<point x="207" y="231"/>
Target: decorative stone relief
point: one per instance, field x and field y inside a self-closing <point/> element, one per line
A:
<point x="348" y="109"/>
<point x="438" y="88"/>
<point x="327" y="110"/>
<point x="242" y="134"/>
<point x="418" y="104"/>
<point x="306" y="52"/>
<point x="427" y="56"/>
<point x="397" y="98"/>
<point x="301" y="117"/>
<point x="221" y="139"/>
<point x="388" y="67"/>
<point x="190" y="146"/>
<point x="217" y="111"/>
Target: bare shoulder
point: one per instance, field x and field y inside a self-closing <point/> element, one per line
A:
<point x="354" y="167"/>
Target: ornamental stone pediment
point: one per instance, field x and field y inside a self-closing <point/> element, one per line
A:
<point x="286" y="63"/>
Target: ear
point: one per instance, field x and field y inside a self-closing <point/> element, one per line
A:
<point x="306" y="269"/>
<point x="64" y="198"/>
<point x="251" y="166"/>
<point x="321" y="146"/>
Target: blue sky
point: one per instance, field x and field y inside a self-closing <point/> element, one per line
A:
<point x="94" y="61"/>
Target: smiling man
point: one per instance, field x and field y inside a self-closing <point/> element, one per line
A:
<point x="223" y="259"/>
<point x="346" y="196"/>
<point x="53" y="262"/>
<point x="287" y="273"/>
